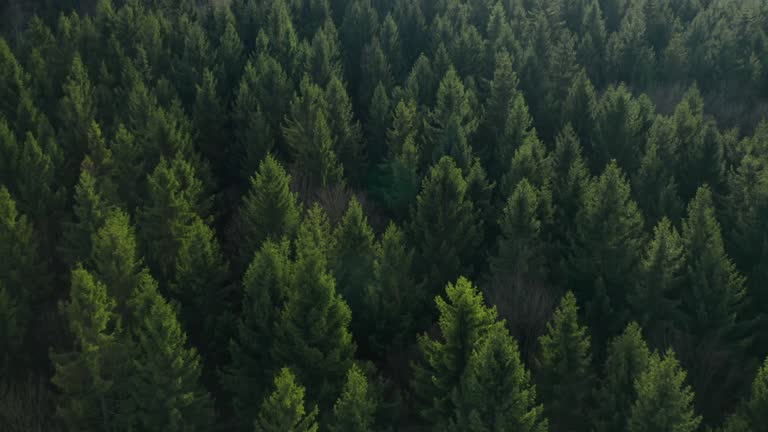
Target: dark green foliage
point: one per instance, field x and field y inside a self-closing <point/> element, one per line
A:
<point x="628" y="358"/>
<point x="265" y="289"/>
<point x="564" y="375"/>
<point x="496" y="391"/>
<point x="464" y="320"/>
<point x="283" y="410"/>
<point x="269" y="210"/>
<point x="312" y="334"/>
<point x="355" y="408"/>
<point x="664" y="400"/>
<point x="445" y="227"/>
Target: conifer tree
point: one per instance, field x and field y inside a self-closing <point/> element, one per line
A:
<point x="394" y="298"/>
<point x="281" y="33"/>
<point x="653" y="298"/>
<point x="564" y="375"/>
<point x="13" y="82"/>
<point x="445" y="227"/>
<point x="354" y="256"/>
<point x="269" y="210"/>
<point x="628" y="357"/>
<point x="174" y="202"/>
<point x="452" y="113"/>
<point x="521" y="248"/>
<point x="714" y="294"/>
<point x="164" y="376"/>
<point x="200" y="284"/>
<point x="90" y="211"/>
<point x="620" y="130"/>
<point x="77" y="110"/>
<point x="210" y="119"/>
<point x="756" y="408"/>
<point x="379" y="120"/>
<point x="265" y="289"/>
<point x="530" y="161"/>
<point x="516" y="129"/>
<point x="319" y="349"/>
<point x="346" y="131"/>
<point x="496" y="391"/>
<point x="606" y="250"/>
<point x="115" y="258"/>
<point x="502" y="96"/>
<point x="284" y="410"/>
<point x="354" y="410"/>
<point x="324" y="59"/>
<point x="11" y="331"/>
<point x="569" y="184"/>
<point x="664" y="400"/>
<point x="464" y="321"/>
<point x="89" y="377"/>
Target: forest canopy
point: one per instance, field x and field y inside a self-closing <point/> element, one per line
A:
<point x="384" y="215"/>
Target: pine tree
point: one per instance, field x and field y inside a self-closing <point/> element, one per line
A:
<point x="445" y="227"/>
<point x="312" y="334"/>
<point x="394" y="298"/>
<point x="265" y="289"/>
<point x="653" y="298"/>
<point x="164" y="376"/>
<point x="496" y="391"/>
<point x="89" y="376"/>
<point x="664" y="401"/>
<point x="269" y="210"/>
<point x="283" y="410"/>
<point x="354" y="410"/>
<point x="628" y="357"/>
<point x="564" y="375"/>
<point x="464" y="321"/>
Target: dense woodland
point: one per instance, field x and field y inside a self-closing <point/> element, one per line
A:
<point x="384" y="215"/>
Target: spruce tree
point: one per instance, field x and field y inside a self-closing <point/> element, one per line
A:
<point x="354" y="410"/>
<point x="394" y="299"/>
<point x="347" y="132"/>
<point x="89" y="376"/>
<point x="210" y="119"/>
<point x="164" y="376"/>
<point x="628" y="357"/>
<point x="379" y="120"/>
<point x="445" y="227"/>
<point x="265" y="289"/>
<point x="714" y="292"/>
<point x="11" y="331"/>
<point x="284" y="410"/>
<point x="756" y="408"/>
<point x="664" y="400"/>
<point x="77" y="111"/>
<point x="568" y="186"/>
<point x="654" y="296"/>
<point x="520" y="246"/>
<point x="606" y="250"/>
<point x="90" y="210"/>
<point x="312" y="334"/>
<point x="564" y="376"/>
<point x="269" y="210"/>
<point x="174" y="202"/>
<point x="452" y="113"/>
<point x="201" y="285"/>
<point x="354" y="257"/>
<point x="464" y="321"/>
<point x="496" y="393"/>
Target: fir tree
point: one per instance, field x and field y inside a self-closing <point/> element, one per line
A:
<point x="379" y="119"/>
<point x="394" y="298"/>
<point x="346" y="131"/>
<point x="269" y="210"/>
<point x="564" y="375"/>
<point x="628" y="357"/>
<point x="445" y="227"/>
<point x="354" y="257"/>
<point x="464" y="321"/>
<point x="354" y="410"/>
<point x="653" y="298"/>
<point x="90" y="211"/>
<point x="77" y="110"/>
<point x="284" y="410"/>
<point x="265" y="289"/>
<point x="312" y="333"/>
<point x="496" y="392"/>
<point x="164" y="377"/>
<point x="87" y="375"/>
<point x="664" y="401"/>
